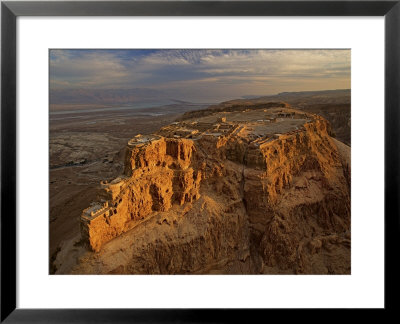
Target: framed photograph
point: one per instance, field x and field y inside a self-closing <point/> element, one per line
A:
<point x="197" y="160"/>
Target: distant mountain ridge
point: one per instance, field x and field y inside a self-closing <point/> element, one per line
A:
<point x="106" y="96"/>
<point x="136" y="95"/>
<point x="342" y="95"/>
<point x="320" y="92"/>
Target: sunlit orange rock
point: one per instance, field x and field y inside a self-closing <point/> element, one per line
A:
<point x="261" y="190"/>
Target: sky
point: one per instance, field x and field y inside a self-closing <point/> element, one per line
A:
<point x="201" y="75"/>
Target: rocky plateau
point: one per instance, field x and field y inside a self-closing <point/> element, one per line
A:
<point x="263" y="189"/>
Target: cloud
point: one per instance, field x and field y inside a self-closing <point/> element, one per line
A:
<point x="201" y="73"/>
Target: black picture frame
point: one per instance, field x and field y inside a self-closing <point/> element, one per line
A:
<point x="10" y="10"/>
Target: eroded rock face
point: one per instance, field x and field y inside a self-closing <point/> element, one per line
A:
<point x="261" y="191"/>
<point x="158" y="174"/>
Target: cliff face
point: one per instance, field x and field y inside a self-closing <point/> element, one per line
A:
<point x="301" y="195"/>
<point x="158" y="174"/>
<point x="260" y="191"/>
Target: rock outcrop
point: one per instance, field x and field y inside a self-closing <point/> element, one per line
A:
<point x="158" y="174"/>
<point x="265" y="190"/>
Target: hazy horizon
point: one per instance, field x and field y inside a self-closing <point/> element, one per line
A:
<point x="194" y="75"/>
